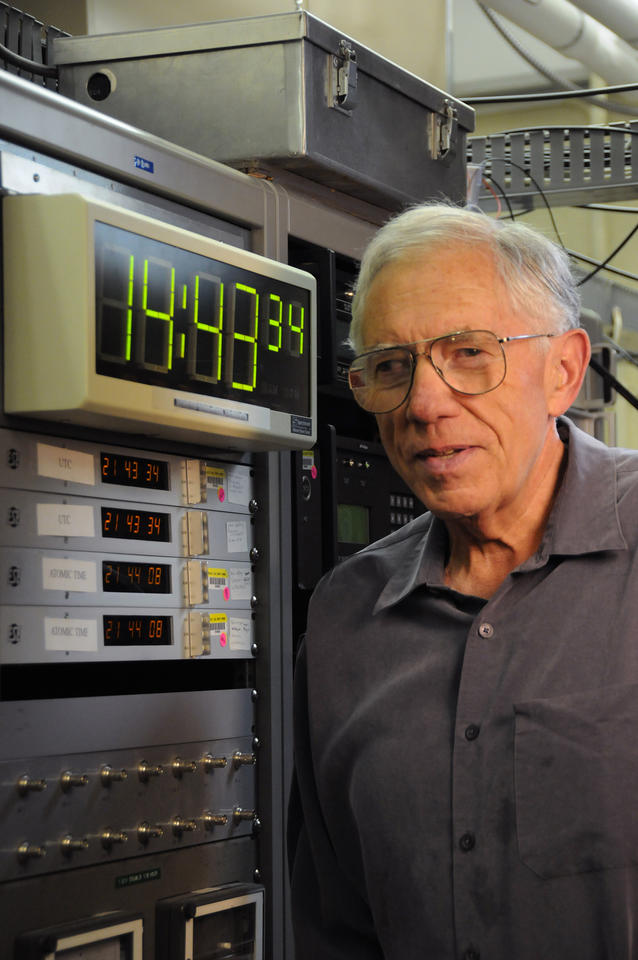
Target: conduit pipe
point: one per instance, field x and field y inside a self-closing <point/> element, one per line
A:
<point x="575" y="34"/>
<point x="621" y="16"/>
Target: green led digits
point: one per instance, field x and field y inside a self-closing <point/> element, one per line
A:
<point x="205" y="344"/>
<point x="158" y="288"/>
<point x="277" y="307"/>
<point x="249" y="305"/>
<point x="296" y="312"/>
<point x="129" y="312"/>
<point x="172" y="317"/>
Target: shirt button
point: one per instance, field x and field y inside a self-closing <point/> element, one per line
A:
<point x="486" y="630"/>
<point x="467" y="841"/>
<point x="472" y="954"/>
<point x="472" y="731"/>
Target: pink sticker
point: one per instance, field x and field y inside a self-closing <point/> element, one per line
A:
<point x="313" y="472"/>
<point x="223" y="640"/>
<point x="221" y="496"/>
<point x="226" y="593"/>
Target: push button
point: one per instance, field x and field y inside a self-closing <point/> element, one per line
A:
<point x="467" y="842"/>
<point x="472" y="731"/>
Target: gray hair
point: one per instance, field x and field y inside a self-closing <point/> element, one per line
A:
<point x="536" y="272"/>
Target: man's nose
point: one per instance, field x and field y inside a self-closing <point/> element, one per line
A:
<point x="430" y="397"/>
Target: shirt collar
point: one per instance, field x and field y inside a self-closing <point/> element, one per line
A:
<point x="423" y="563"/>
<point x="584" y="519"/>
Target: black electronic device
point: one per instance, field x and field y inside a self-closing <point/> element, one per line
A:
<point x="335" y="275"/>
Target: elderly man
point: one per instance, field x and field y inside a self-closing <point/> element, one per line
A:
<point x="467" y="694"/>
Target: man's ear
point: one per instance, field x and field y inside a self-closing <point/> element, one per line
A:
<point x="570" y="353"/>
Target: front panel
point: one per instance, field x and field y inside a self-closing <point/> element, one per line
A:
<point x="115" y="553"/>
<point x="140" y="639"/>
<point x="140" y="326"/>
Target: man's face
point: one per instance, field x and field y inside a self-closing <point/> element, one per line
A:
<point x="477" y="456"/>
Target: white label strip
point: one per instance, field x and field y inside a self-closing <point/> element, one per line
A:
<point x="61" y="633"/>
<point x="63" y="464"/>
<point x="238" y="486"/>
<point x="239" y="634"/>
<point x="236" y="536"/>
<point x="61" y="574"/>
<point x="240" y="584"/>
<point x="64" y="520"/>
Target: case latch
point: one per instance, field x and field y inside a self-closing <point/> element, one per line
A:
<point x="343" y="77"/>
<point x="442" y="128"/>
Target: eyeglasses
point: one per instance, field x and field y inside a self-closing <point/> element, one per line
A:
<point x="469" y="361"/>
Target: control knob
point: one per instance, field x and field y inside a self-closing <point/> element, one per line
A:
<point x="27" y="784"/>
<point x="149" y="831"/>
<point x="69" y="780"/>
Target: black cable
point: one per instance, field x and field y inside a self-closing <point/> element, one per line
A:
<point x="31" y="66"/>
<point x="553" y="95"/>
<point x="616" y="270"/>
<point x="620" y="351"/>
<point x="606" y="208"/>
<point x="545" y="71"/>
<point x="610" y="379"/>
<point x="538" y="187"/>
<point x="603" y="265"/>
<point x="599" y="265"/>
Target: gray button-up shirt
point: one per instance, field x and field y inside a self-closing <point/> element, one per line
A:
<point x="467" y="770"/>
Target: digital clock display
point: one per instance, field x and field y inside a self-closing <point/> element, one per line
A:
<point x="134" y="471"/>
<point x="123" y="576"/>
<point x="155" y="330"/>
<point x="130" y="630"/>
<point x="122" y="524"/>
<point x="170" y="317"/>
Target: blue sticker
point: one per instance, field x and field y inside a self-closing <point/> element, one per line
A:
<point x="143" y="164"/>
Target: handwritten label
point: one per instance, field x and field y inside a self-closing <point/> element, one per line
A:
<point x="236" y="536"/>
<point x="239" y="634"/>
<point x="238" y="486"/>
<point x="241" y="582"/>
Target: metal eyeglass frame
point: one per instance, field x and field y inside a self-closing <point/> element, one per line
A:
<point x="415" y="354"/>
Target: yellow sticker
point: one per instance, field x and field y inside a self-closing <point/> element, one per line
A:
<point x="217" y="577"/>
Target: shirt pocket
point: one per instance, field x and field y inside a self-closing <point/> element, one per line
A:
<point x="576" y="781"/>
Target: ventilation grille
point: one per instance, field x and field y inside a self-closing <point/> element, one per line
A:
<point x="566" y="164"/>
<point x="27" y="37"/>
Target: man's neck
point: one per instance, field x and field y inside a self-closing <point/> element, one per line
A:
<point x="484" y="550"/>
